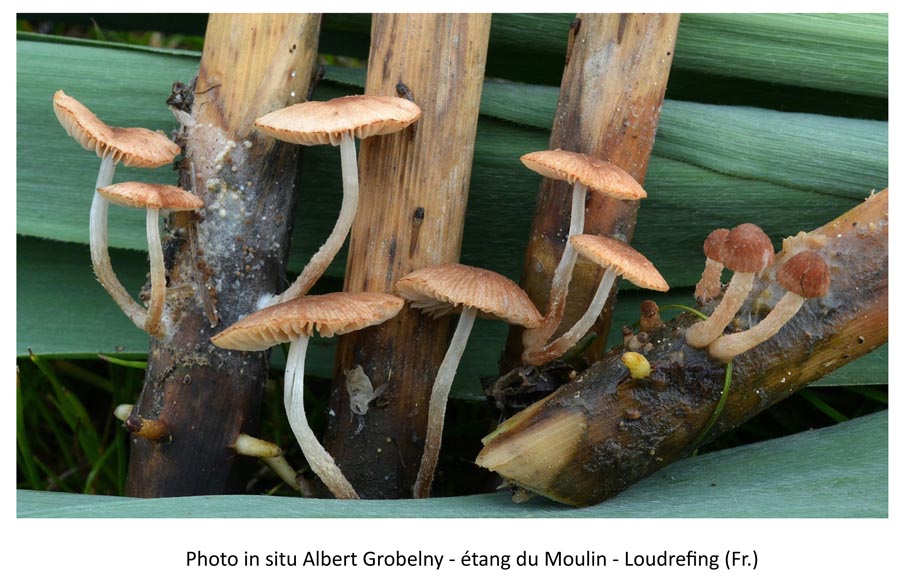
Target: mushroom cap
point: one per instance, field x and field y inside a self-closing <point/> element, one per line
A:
<point x="712" y="246"/>
<point x="134" y="147"/>
<point x="620" y="258"/>
<point x="747" y="249"/>
<point x="442" y="289"/>
<point x="805" y="274"/>
<point x="598" y="175"/>
<point x="329" y="314"/>
<point x="323" y="123"/>
<point x="136" y="194"/>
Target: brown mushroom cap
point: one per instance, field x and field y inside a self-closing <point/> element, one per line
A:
<point x="712" y="246"/>
<point x="747" y="249"/>
<point x="620" y="258"/>
<point x="134" y="147"/>
<point x="323" y="123"/>
<point x="329" y="314"/>
<point x="599" y="176"/>
<point x="805" y="274"/>
<point x="441" y="289"/>
<point x="136" y="194"/>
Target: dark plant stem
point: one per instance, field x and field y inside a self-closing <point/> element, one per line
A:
<point x="231" y="253"/>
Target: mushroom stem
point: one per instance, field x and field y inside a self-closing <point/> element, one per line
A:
<point x="327" y="252"/>
<point x="100" y="249"/>
<point x="701" y="334"/>
<point x="559" y="346"/>
<point x="270" y="454"/>
<point x="710" y="285"/>
<point x="284" y="470"/>
<point x="728" y="346"/>
<point x="320" y="462"/>
<point x="437" y="405"/>
<point x="559" y="288"/>
<point x="154" y="325"/>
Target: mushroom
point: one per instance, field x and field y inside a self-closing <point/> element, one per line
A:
<point x="134" y="147"/>
<point x="650" y="319"/>
<point x="803" y="276"/>
<point x="269" y="453"/>
<point x="295" y="321"/>
<point x="152" y="197"/>
<point x="335" y="122"/>
<point x="617" y="258"/>
<point x="710" y="285"/>
<point x="451" y="287"/>
<point x="583" y="171"/>
<point x="746" y="250"/>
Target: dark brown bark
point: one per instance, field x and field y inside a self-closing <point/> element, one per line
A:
<point x="604" y="431"/>
<point x="610" y="99"/>
<point x="220" y="261"/>
<point x="413" y="191"/>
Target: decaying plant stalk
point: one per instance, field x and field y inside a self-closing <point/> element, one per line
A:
<point x="605" y="430"/>
<point x="609" y="104"/>
<point x="228" y="255"/>
<point x="413" y="190"/>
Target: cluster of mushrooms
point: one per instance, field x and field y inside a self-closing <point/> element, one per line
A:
<point x="293" y="317"/>
<point x="747" y="250"/>
<point x="133" y="147"/>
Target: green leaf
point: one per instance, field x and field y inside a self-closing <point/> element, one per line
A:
<point x="56" y="279"/>
<point x="834" y="52"/>
<point x="839" y="471"/>
<point x="844" y="53"/>
<point x="839" y="52"/>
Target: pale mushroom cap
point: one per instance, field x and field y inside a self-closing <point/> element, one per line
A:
<point x="712" y="246"/>
<point x="323" y="123"/>
<point x="136" y="194"/>
<point x="598" y="175"/>
<point x="620" y="258"/>
<point x="747" y="249"/>
<point x="441" y="289"/>
<point x="329" y="314"/>
<point x="134" y="147"/>
<point x="805" y="274"/>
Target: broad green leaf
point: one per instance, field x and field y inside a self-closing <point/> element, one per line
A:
<point x="839" y="471"/>
<point x="834" y="52"/>
<point x="839" y="52"/>
<point x="843" y="53"/>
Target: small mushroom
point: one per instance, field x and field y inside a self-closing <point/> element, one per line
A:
<point x="746" y="250"/>
<point x="133" y="147"/>
<point x="295" y="321"/>
<point x="650" y="319"/>
<point x="710" y="285"/>
<point x="442" y="289"/>
<point x="336" y="122"/>
<point x="153" y="197"/>
<point x="617" y="258"/>
<point x="269" y="453"/>
<point x="803" y="276"/>
<point x="583" y="172"/>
